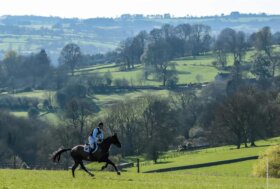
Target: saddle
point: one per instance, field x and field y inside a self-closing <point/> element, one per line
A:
<point x="88" y="149"/>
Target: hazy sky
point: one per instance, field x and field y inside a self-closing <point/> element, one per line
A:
<point x="113" y="8"/>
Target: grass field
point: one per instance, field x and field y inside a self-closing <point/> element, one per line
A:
<point x="212" y="155"/>
<point x="229" y="176"/>
<point x="190" y="70"/>
<point x="40" y="94"/>
<point x="22" y="179"/>
<point x="103" y="100"/>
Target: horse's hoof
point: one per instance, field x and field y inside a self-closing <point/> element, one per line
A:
<point x="118" y="173"/>
<point x="92" y="175"/>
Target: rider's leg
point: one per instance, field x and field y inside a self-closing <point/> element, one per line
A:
<point x="92" y="149"/>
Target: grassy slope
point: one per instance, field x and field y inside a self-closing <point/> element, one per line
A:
<point x="212" y="155"/>
<point x="188" y="70"/>
<point x="236" y="175"/>
<point x="103" y="100"/>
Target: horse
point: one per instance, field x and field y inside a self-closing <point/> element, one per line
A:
<point x="78" y="154"/>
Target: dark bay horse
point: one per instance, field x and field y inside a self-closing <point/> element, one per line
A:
<point x="101" y="155"/>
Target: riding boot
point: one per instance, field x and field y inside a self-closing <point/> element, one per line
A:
<point x="91" y="153"/>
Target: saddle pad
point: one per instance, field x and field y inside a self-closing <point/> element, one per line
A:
<point x="86" y="148"/>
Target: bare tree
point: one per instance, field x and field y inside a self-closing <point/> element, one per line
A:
<point x="78" y="111"/>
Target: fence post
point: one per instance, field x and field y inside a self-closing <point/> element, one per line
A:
<point x="14" y="161"/>
<point x="138" y="166"/>
<point x="267" y="169"/>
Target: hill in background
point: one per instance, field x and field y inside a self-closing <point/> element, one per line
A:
<point x="28" y="34"/>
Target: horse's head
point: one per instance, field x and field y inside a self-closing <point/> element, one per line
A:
<point x="115" y="140"/>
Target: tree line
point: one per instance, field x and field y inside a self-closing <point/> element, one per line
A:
<point x="154" y="51"/>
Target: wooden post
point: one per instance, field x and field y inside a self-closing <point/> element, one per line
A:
<point x="138" y="166"/>
<point x="267" y="169"/>
<point x="14" y="161"/>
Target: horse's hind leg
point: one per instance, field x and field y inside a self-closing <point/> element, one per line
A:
<point x="73" y="168"/>
<point x="85" y="169"/>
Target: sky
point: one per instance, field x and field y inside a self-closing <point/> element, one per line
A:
<point x="114" y="8"/>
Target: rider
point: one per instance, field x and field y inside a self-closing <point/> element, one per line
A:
<point x="96" y="137"/>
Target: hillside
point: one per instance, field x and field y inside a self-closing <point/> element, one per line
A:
<point x="28" y="34"/>
<point x="176" y="159"/>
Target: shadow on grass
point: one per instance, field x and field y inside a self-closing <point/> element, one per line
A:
<point x="184" y="72"/>
<point x="258" y="146"/>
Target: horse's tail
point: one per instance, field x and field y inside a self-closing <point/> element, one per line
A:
<point x="56" y="155"/>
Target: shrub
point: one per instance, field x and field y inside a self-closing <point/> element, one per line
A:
<point x="196" y="132"/>
<point x="108" y="78"/>
<point x="272" y="154"/>
<point x="121" y="82"/>
<point x="172" y="82"/>
<point x="69" y="92"/>
<point x="33" y="113"/>
<point x="17" y="103"/>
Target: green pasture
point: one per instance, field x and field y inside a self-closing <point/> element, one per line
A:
<point x="175" y="159"/>
<point x="33" y="179"/>
<point x="189" y="69"/>
<point x="229" y="176"/>
<point x="40" y="94"/>
<point x="102" y="100"/>
<point x="20" y="113"/>
<point x="51" y="118"/>
<point x="108" y="99"/>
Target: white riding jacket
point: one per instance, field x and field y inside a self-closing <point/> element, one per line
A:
<point x="96" y="137"/>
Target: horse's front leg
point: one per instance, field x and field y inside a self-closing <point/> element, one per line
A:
<point x="104" y="166"/>
<point x="111" y="163"/>
<point x="85" y="169"/>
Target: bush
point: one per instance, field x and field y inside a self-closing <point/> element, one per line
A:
<point x="172" y="82"/>
<point x="121" y="82"/>
<point x="33" y="113"/>
<point x="108" y="78"/>
<point x="69" y="92"/>
<point x="273" y="156"/>
<point x="196" y="132"/>
<point x="18" y="103"/>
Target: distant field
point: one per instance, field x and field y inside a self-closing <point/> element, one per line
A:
<point x="20" y="114"/>
<point x="103" y="100"/>
<point x="190" y="70"/>
<point x="40" y="94"/>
